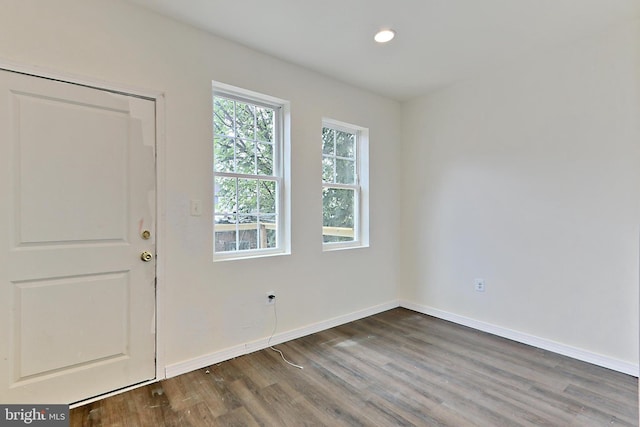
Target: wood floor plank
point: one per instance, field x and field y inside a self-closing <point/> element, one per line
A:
<point x="254" y="402"/>
<point x="335" y="395"/>
<point x="239" y="417"/>
<point x="481" y="390"/>
<point x="392" y="369"/>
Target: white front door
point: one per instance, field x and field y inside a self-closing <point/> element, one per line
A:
<point x="77" y="192"/>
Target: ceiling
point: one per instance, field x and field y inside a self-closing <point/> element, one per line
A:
<point x="437" y="42"/>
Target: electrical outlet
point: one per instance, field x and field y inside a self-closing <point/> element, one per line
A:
<point x="479" y="285"/>
<point x="271" y="298"/>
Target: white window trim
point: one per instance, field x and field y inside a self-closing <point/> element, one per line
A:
<point x="361" y="223"/>
<point x="282" y="173"/>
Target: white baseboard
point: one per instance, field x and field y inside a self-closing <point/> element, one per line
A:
<point x="246" y="348"/>
<point x="555" y="347"/>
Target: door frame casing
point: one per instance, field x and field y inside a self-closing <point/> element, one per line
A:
<point x="159" y="99"/>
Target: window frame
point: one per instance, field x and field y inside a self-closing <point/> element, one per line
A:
<point x="280" y="174"/>
<point x="360" y="185"/>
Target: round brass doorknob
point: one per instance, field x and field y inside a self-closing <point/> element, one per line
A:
<point x="146" y="256"/>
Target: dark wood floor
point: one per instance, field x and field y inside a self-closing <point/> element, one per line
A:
<point x="397" y="368"/>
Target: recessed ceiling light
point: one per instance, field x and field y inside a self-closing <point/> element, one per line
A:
<point x="384" y="36"/>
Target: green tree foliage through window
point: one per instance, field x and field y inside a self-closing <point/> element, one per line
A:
<point x="245" y="185"/>
<point x="340" y="185"/>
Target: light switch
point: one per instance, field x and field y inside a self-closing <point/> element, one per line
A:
<point x="196" y="207"/>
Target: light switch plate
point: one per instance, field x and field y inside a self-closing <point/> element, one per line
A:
<point x="196" y="207"/>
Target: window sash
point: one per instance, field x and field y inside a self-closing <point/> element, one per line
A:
<point x="277" y="176"/>
<point x="356" y="218"/>
<point x="335" y="157"/>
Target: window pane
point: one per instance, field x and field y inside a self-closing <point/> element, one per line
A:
<point x="248" y="232"/>
<point x="264" y="124"/>
<point x="245" y="121"/>
<point x="223" y="113"/>
<point x="245" y="156"/>
<point x="224" y="200"/>
<point x="223" y="154"/>
<point x="345" y="171"/>
<point x="225" y="233"/>
<point x="345" y="144"/>
<point x="328" y="141"/>
<point x="267" y="194"/>
<point x="265" y="158"/>
<point x="327" y="169"/>
<point x="338" y="214"/>
<point x="247" y="196"/>
<point x="268" y="231"/>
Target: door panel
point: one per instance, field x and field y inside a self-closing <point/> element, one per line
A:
<point x="77" y="184"/>
<point x="95" y="174"/>
<point x="104" y="296"/>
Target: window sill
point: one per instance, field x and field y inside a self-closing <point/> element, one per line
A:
<point x="250" y="255"/>
<point x="330" y="247"/>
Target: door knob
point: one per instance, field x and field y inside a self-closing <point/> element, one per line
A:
<point x="146" y="256"/>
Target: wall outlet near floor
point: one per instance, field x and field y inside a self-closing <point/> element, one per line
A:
<point x="271" y="298"/>
<point x="479" y="285"/>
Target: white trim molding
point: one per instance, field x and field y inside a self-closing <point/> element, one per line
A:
<point x="80" y="80"/>
<point x="250" y="347"/>
<point x="545" y="344"/>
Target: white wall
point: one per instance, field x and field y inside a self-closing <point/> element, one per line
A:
<point x="209" y="307"/>
<point x="529" y="177"/>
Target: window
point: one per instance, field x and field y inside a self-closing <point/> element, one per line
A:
<point x="344" y="185"/>
<point x="248" y="176"/>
